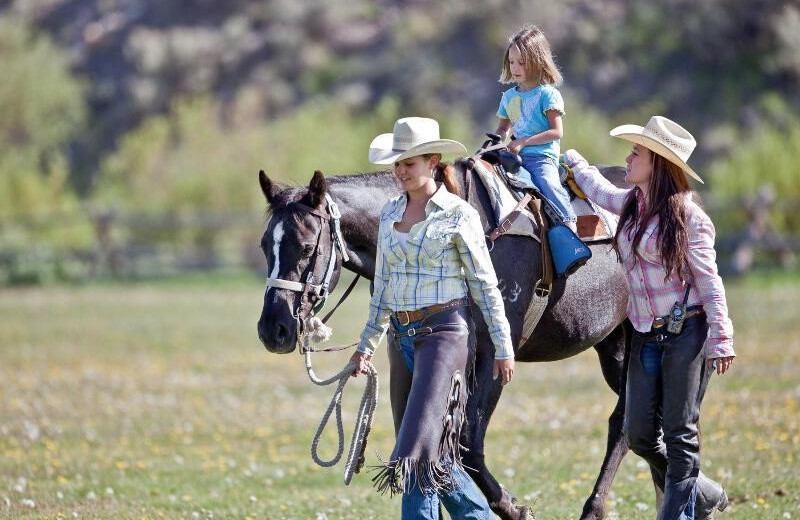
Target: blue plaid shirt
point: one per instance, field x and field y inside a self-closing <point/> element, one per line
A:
<point x="444" y="256"/>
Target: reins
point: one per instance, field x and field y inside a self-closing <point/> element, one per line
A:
<point x="364" y="418"/>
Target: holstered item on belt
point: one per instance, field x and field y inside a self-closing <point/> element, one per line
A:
<point x="406" y="317"/>
<point x="660" y="323"/>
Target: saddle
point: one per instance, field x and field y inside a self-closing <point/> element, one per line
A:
<point x="496" y="166"/>
<point x="493" y="167"/>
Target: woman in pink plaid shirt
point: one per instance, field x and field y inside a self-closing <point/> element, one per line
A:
<point x="666" y="243"/>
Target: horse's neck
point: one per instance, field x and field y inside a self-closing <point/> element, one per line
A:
<point x="360" y="199"/>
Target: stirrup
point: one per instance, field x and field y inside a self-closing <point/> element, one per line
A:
<point x="569" y="252"/>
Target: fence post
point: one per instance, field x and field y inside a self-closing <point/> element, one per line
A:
<point x="107" y="256"/>
<point x="759" y="233"/>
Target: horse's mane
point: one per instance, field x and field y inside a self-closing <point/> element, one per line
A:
<point x="292" y="193"/>
<point x="365" y="178"/>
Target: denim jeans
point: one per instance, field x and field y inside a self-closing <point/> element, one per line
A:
<point x="667" y="379"/>
<point x="406" y="343"/>
<point x="464" y="501"/>
<point x="542" y="172"/>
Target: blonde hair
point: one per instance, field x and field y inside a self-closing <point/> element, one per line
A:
<point x="535" y="51"/>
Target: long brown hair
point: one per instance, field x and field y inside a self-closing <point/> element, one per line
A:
<point x="666" y="200"/>
<point x="446" y="174"/>
<point x="535" y="50"/>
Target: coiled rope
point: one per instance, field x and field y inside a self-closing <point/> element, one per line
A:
<point x="314" y="330"/>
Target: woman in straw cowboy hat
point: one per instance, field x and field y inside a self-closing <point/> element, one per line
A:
<point x="430" y="254"/>
<point x="676" y="305"/>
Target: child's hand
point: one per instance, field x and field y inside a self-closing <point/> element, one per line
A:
<point x="515" y="146"/>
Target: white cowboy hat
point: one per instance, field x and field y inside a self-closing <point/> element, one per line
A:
<point x="664" y="137"/>
<point x="412" y="136"/>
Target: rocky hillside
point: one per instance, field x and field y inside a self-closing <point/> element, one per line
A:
<point x="708" y="63"/>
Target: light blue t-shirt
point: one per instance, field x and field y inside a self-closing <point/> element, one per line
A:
<point x="526" y="110"/>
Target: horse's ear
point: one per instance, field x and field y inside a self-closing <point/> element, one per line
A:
<point x="270" y="189"/>
<point x="317" y="189"/>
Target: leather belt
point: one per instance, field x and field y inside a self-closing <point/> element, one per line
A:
<point x="406" y="317"/>
<point x="661" y="321"/>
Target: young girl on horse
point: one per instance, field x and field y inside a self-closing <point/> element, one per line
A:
<point x="676" y="305"/>
<point x="532" y="111"/>
<point x="431" y="255"/>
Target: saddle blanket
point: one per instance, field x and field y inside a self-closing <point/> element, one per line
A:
<point x="594" y="223"/>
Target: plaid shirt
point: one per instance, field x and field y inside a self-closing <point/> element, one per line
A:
<point x="444" y="255"/>
<point x="650" y="296"/>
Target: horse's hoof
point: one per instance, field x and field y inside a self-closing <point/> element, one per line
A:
<point x="593" y="509"/>
<point x="525" y="513"/>
<point x="507" y="509"/>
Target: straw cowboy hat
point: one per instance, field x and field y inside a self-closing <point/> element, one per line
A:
<point x="412" y="136"/>
<point x="664" y="137"/>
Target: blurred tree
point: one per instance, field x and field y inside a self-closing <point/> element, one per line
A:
<point x="767" y="160"/>
<point x="41" y="111"/>
<point x="701" y="63"/>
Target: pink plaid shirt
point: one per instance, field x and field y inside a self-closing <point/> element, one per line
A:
<point x="650" y="296"/>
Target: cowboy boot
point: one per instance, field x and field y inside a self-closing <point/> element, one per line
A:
<point x="722" y="504"/>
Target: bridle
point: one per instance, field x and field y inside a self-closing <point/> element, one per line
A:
<point x="317" y="293"/>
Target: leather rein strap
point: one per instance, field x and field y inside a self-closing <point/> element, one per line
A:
<point x="505" y="225"/>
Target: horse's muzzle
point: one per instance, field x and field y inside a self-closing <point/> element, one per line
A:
<point x="278" y="337"/>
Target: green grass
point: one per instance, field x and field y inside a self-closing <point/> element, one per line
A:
<point x="156" y="400"/>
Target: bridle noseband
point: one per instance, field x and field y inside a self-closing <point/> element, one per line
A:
<point x="317" y="293"/>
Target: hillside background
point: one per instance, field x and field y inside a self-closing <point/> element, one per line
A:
<point x="131" y="131"/>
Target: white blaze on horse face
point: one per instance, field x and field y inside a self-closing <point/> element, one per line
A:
<point x="277" y="236"/>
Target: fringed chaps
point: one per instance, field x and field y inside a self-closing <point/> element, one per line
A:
<point x="433" y="410"/>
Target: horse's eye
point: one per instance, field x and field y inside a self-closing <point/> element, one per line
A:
<point x="308" y="250"/>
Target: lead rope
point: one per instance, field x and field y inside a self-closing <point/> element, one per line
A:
<point x="366" y="410"/>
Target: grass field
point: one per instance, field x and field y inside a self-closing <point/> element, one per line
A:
<point x="156" y="400"/>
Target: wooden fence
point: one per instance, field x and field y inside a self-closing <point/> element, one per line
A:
<point x="140" y="245"/>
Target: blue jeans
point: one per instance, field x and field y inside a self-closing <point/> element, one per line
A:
<point x="406" y="343"/>
<point x="542" y="172"/>
<point x="464" y="501"/>
<point x="667" y="379"/>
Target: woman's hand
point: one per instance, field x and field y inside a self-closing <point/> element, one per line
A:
<point x="503" y="368"/>
<point x="361" y="359"/>
<point x="571" y="157"/>
<point x="722" y="364"/>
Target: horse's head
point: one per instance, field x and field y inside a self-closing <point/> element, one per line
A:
<point x="303" y="260"/>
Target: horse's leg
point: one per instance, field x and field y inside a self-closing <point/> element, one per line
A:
<point x="613" y="354"/>
<point x="480" y="406"/>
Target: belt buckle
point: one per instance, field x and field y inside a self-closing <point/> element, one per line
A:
<point x="411" y="332"/>
<point x="659" y="322"/>
<point x="408" y="318"/>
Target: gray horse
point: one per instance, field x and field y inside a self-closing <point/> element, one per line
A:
<point x="587" y="310"/>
